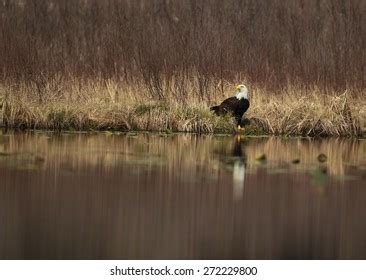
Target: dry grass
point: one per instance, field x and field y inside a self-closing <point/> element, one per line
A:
<point x="309" y="113"/>
<point x="100" y="105"/>
<point x="104" y="106"/>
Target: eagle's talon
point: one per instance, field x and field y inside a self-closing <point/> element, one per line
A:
<point x="240" y="129"/>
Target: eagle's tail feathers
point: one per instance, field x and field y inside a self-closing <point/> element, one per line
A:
<point x="216" y="109"/>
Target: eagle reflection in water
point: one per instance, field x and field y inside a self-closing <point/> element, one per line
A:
<point x="239" y="165"/>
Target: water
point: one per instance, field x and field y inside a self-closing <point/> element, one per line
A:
<point x="148" y="196"/>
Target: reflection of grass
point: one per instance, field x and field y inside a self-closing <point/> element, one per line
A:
<point x="293" y="112"/>
<point x="319" y="176"/>
<point x="183" y="152"/>
<point x="305" y="151"/>
<point x="21" y="161"/>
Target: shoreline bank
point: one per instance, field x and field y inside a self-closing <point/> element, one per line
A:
<point x="196" y="121"/>
<point x="293" y="112"/>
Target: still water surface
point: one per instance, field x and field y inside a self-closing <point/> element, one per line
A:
<point x="148" y="196"/>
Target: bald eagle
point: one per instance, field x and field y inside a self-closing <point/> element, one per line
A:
<point x="236" y="105"/>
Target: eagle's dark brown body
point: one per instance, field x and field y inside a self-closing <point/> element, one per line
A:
<point x="233" y="105"/>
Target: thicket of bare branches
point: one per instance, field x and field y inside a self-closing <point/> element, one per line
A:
<point x="269" y="43"/>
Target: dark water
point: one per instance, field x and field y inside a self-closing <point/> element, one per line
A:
<point x="148" y="196"/>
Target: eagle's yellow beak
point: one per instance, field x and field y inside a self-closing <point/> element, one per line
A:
<point x="238" y="87"/>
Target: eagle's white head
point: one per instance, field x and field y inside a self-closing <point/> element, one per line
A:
<point x="242" y="92"/>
